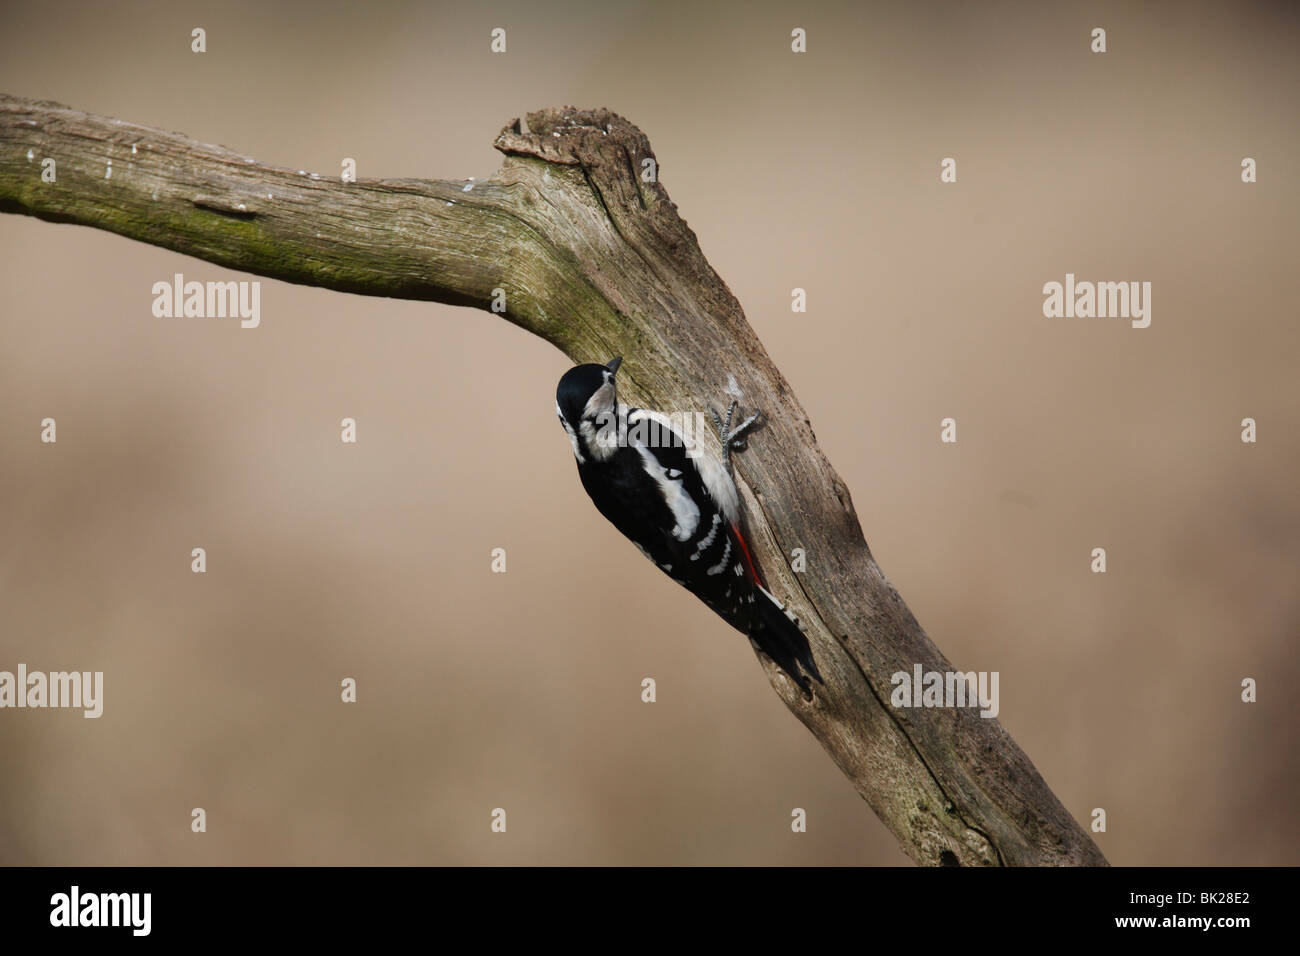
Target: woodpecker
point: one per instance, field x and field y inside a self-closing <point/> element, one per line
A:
<point x="679" y="504"/>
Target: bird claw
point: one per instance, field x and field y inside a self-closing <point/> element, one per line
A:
<point x="733" y="439"/>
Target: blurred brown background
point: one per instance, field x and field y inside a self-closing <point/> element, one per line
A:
<point x="479" y="690"/>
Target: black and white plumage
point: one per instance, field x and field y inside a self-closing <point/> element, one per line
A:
<point x="679" y="505"/>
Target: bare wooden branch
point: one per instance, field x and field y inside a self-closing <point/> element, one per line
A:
<point x="595" y="259"/>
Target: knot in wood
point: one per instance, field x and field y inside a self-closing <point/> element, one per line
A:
<point x="600" y="141"/>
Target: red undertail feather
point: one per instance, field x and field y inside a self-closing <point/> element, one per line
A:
<point x="748" y="558"/>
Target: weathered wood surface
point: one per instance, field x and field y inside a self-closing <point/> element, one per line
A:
<point x="597" y="261"/>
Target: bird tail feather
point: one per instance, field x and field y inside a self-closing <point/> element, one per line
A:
<point x="779" y="637"/>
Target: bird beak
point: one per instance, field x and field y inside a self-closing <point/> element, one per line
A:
<point x="614" y="363"/>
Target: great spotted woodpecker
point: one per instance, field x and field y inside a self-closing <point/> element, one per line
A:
<point x="679" y="505"/>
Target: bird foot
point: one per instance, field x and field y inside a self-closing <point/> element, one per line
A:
<point x="733" y="439"/>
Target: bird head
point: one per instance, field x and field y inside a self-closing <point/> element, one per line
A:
<point x="586" y="401"/>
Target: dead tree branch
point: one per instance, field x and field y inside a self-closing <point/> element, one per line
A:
<point x="596" y="260"/>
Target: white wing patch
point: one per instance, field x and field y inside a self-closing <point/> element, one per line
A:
<point x="682" y="505"/>
<point x="716" y="480"/>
